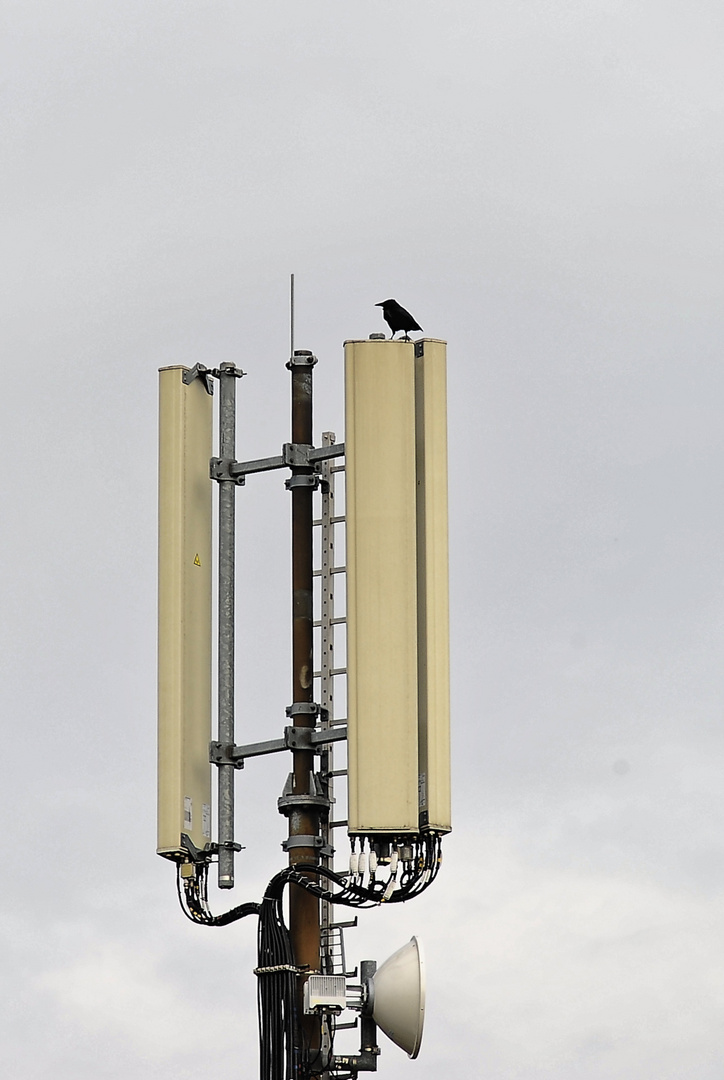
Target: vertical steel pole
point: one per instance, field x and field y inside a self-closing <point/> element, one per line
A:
<point x="227" y="507"/>
<point x="304" y="816"/>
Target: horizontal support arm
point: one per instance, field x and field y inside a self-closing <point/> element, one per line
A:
<point x="294" y="739"/>
<point x="324" y="453"/>
<point x="266" y="464"/>
<point x="292" y="454"/>
<point x="311" y="738"/>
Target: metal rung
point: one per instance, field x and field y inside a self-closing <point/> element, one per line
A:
<point x="332" y="671"/>
<point x="337" y="468"/>
<point x="334" y="622"/>
<point x="337" y="824"/>
<point x="332" y="570"/>
<point x="337" y="772"/>
<point x="332" y="521"/>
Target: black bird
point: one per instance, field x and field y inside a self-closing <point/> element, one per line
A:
<point x="397" y="318"/>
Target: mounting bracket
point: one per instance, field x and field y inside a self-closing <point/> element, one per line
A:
<point x="308" y="842"/>
<point x="206" y="374"/>
<point x="287" y="803"/>
<point x="294" y="739"/>
<point x="200" y="371"/>
<point x="220" y="470"/>
<point x="302" y="480"/>
<point x="366" y="1060"/>
<point x="306" y="708"/>
<point x="296" y="454"/>
<point x="292" y="455"/>
<point x="313" y="738"/>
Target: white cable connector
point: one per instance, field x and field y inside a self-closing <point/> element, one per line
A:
<point x="362" y="864"/>
<point x="389" y="890"/>
<point x="394" y="859"/>
<point x="354" y="864"/>
<point x="373" y="861"/>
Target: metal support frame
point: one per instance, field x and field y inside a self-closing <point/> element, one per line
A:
<point x="227" y="375"/>
<point x="307" y="795"/>
<point x="305" y="461"/>
<point x="294" y="739"/>
<point x="366" y="1060"/>
<point x="293" y="454"/>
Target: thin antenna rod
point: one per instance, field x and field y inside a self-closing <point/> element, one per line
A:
<point x="291" y="316"/>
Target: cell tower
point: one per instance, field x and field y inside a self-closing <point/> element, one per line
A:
<point x="393" y="465"/>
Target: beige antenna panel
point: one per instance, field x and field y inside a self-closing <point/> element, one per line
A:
<point x="184" y="613"/>
<point x="433" y="620"/>
<point x="397" y="613"/>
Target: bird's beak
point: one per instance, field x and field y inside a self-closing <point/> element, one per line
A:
<point x="379" y="305"/>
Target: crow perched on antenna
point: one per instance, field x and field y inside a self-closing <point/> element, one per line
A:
<point x="397" y="318"/>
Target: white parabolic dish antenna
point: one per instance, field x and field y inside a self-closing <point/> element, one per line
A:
<point x="398" y="997"/>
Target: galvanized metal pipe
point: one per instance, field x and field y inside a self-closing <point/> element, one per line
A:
<point x="227" y="535"/>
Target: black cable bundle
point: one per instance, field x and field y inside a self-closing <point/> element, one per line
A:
<point x="428" y="859"/>
<point x="194" y="905"/>
<point x="277" y="988"/>
<point x="413" y="881"/>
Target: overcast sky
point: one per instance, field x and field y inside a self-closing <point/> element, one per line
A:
<point x="541" y="184"/>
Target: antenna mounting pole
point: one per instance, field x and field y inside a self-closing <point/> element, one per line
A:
<point x="303" y="807"/>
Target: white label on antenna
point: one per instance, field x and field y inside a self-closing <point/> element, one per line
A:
<point x="188" y="813"/>
<point x="206" y="820"/>
<point x="422" y="790"/>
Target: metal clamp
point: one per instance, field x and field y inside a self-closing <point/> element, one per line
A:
<point x="304" y="842"/>
<point x="199" y="371"/>
<point x="225" y="845"/>
<point x="228" y="368"/>
<point x="298" y="738"/>
<point x="301" y="358"/>
<point x="301" y="738"/>
<point x="302" y="480"/>
<point x="286" y="804"/>
<point x="304" y="708"/>
<point x="307" y="841"/>
<point x="296" y="453"/>
<point x="220" y="470"/>
<point x="225" y="754"/>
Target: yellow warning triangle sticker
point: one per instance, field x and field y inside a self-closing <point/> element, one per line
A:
<point x="197" y="561"/>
